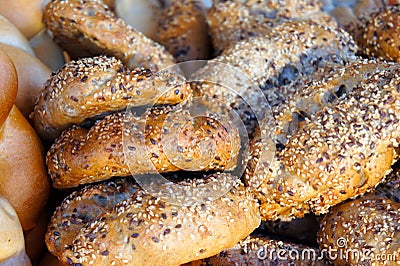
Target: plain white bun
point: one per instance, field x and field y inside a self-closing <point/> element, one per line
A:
<point x="9" y="34"/>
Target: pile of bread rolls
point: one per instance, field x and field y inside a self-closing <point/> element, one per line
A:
<point x="319" y="171"/>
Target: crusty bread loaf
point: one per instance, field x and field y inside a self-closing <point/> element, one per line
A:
<point x="183" y="30"/>
<point x="264" y="251"/>
<point x="83" y="206"/>
<point x="23" y="178"/>
<point x="90" y="28"/>
<point x="364" y="231"/>
<point x="340" y="144"/>
<point x="89" y="87"/>
<point x="165" y="140"/>
<point x="31" y="76"/>
<point x="233" y="21"/>
<point x="8" y="86"/>
<point x="145" y="230"/>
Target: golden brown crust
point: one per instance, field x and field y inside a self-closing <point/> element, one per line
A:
<point x="31" y="75"/>
<point x="23" y="178"/>
<point x="89" y="27"/>
<point x="280" y="62"/>
<point x="368" y="226"/>
<point x="339" y="151"/>
<point x="183" y="30"/>
<point x="92" y="86"/>
<point x="232" y="21"/>
<point x="390" y="188"/>
<point x="264" y="251"/>
<point x="83" y="206"/>
<point x="8" y="86"/>
<point x="380" y="36"/>
<point x="144" y="230"/>
<point x="166" y="140"/>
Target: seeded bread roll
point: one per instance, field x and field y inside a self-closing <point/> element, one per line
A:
<point x="372" y="23"/>
<point x="232" y="21"/>
<point x="280" y="62"/>
<point x="264" y="251"/>
<point x="8" y="86"/>
<point x="183" y="30"/>
<point x="380" y="35"/>
<point x="92" y="86"/>
<point x="23" y="179"/>
<point x="90" y="28"/>
<point x="367" y="227"/>
<point x="166" y="140"/>
<point x="336" y="148"/>
<point x="144" y="230"/>
<point x="83" y="206"/>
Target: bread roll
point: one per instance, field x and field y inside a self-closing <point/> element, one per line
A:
<point x="145" y="230"/>
<point x="23" y="178"/>
<point x="90" y="28"/>
<point x="89" y="87"/>
<point x="279" y="63"/>
<point x="49" y="260"/>
<point x="10" y="35"/>
<point x="164" y="140"/>
<point x="8" y="86"/>
<point x="32" y="74"/>
<point x="11" y="236"/>
<point x="334" y="146"/>
<point x="143" y="15"/>
<point x="365" y="231"/>
<point x="47" y="51"/>
<point x="25" y="14"/>
<point x="183" y="30"/>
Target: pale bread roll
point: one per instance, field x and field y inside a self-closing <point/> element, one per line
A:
<point x="23" y="178"/>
